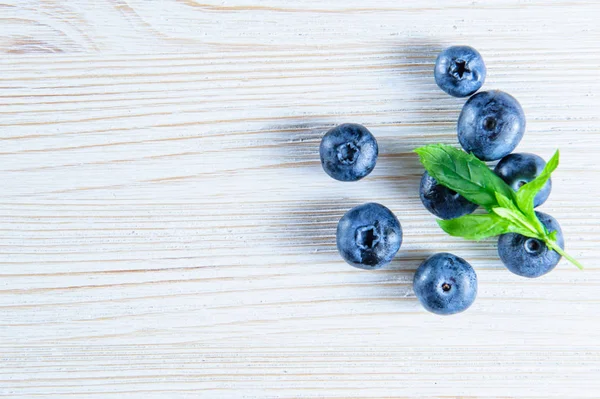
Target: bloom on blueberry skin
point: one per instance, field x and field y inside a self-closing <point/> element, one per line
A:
<point x="459" y="71"/>
<point x="445" y="284"/>
<point x="348" y="152"/>
<point x="443" y="202"/>
<point x="369" y="236"/>
<point x="491" y="125"/>
<point x="530" y="257"/>
<point x="519" y="169"/>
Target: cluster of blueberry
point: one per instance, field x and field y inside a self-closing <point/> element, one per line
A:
<point x="490" y="126"/>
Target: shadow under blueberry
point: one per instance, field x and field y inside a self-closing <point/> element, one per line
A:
<point x="412" y="119"/>
<point x="433" y="113"/>
<point x="311" y="230"/>
<point x="399" y="169"/>
<point x="419" y="114"/>
<point x="310" y="227"/>
<point x="298" y="142"/>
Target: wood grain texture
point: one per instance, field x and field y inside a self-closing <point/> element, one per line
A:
<point x="166" y="230"/>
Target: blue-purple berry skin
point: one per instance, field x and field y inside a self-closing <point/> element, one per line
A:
<point x="530" y="257"/>
<point x="445" y="284"/>
<point x="441" y="201"/>
<point x="459" y="71"/>
<point x="518" y="169"/>
<point x="369" y="236"/>
<point x="491" y="125"/>
<point x="348" y="152"/>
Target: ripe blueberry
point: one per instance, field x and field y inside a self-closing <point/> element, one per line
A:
<point x="519" y="169"/>
<point x="445" y="284"/>
<point x="530" y="257"/>
<point x="348" y="152"/>
<point x="491" y="125"/>
<point x="441" y="201"/>
<point x="459" y="71"/>
<point x="368" y="236"/>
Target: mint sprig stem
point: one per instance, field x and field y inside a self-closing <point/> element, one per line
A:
<point x="561" y="252"/>
<point x="508" y="211"/>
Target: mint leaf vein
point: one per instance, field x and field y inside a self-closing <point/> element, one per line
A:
<point x="508" y="212"/>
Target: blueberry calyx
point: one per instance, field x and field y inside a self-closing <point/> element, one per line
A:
<point x="532" y="257"/>
<point x="347" y="153"/>
<point x="445" y="284"/>
<point x="367" y="237"/>
<point x="490" y="123"/>
<point x="453" y="194"/>
<point x="518" y="169"/>
<point x="533" y="246"/>
<point x="458" y="69"/>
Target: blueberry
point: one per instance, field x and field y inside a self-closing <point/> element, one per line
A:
<point x="530" y="257"/>
<point x="445" y="284"/>
<point x="348" y="152"/>
<point x="519" y="169"/>
<point x="368" y="236"/>
<point x="491" y="125"/>
<point x="443" y="202"/>
<point x="459" y="71"/>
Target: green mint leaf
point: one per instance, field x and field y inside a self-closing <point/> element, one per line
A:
<point x="527" y="192"/>
<point x="508" y="212"/>
<point x="505" y="202"/>
<point x="463" y="173"/>
<point x="520" y="223"/>
<point x="476" y="227"/>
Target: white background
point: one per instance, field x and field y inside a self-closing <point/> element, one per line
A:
<point x="166" y="229"/>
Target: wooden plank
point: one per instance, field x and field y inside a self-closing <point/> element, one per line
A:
<point x="166" y="229"/>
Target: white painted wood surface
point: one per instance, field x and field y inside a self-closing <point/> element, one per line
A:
<point x="166" y="230"/>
